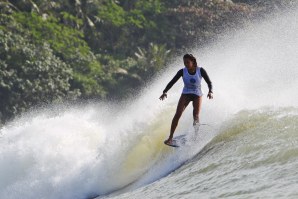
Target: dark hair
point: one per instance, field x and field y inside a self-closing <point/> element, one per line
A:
<point x="192" y="58"/>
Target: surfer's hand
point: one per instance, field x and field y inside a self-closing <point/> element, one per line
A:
<point x="163" y="96"/>
<point x="210" y="95"/>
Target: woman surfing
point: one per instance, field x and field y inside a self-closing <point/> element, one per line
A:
<point x="192" y="75"/>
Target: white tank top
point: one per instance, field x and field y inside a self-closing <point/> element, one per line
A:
<point x="192" y="83"/>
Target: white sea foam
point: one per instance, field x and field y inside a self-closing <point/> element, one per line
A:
<point x="95" y="149"/>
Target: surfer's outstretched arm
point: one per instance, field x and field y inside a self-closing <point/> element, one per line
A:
<point x="171" y="83"/>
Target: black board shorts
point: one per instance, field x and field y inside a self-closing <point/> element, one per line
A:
<point x="191" y="97"/>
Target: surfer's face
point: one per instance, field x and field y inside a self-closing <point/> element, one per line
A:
<point x="188" y="64"/>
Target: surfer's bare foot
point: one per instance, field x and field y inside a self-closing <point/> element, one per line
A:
<point x="169" y="141"/>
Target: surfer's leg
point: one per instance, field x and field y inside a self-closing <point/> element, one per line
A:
<point x="182" y="104"/>
<point x="197" y="102"/>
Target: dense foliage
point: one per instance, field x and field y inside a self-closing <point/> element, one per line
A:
<point x="74" y="49"/>
<point x="30" y="75"/>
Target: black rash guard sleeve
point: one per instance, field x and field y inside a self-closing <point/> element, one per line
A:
<point x="207" y="79"/>
<point x="173" y="81"/>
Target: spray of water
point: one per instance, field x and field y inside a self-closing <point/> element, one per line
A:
<point x="95" y="149"/>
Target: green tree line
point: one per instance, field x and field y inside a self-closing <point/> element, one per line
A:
<point x="52" y="51"/>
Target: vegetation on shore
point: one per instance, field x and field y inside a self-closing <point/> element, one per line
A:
<point x="51" y="51"/>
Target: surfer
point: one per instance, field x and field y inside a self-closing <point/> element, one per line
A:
<point x="192" y="75"/>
